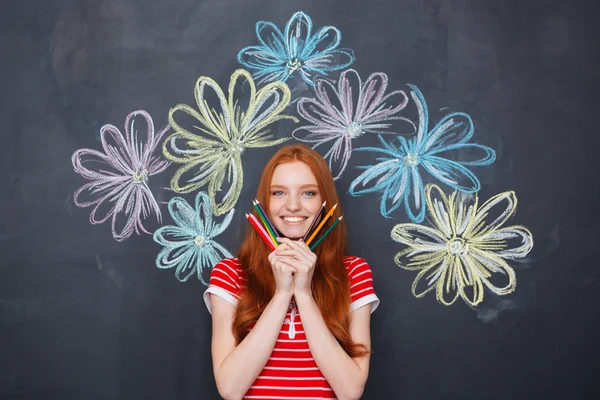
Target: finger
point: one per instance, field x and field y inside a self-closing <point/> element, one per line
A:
<point x="298" y="245"/>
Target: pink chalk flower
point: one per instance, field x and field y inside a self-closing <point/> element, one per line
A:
<point x="118" y="187"/>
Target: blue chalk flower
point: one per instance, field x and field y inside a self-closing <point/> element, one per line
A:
<point x="189" y="246"/>
<point x="280" y="55"/>
<point x="398" y="174"/>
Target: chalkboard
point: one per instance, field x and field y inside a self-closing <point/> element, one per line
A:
<point x="504" y="96"/>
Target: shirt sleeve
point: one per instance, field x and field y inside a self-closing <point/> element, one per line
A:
<point x="361" y="285"/>
<point x="224" y="282"/>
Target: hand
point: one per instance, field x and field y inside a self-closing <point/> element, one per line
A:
<point x="299" y="256"/>
<point x="284" y="272"/>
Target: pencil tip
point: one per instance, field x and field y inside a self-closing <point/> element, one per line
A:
<point x="325" y="202"/>
<point x="334" y="205"/>
<point x="340" y="218"/>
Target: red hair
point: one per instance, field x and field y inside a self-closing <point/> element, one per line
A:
<point x="330" y="282"/>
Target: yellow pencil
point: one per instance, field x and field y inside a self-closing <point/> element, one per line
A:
<point x="329" y="214"/>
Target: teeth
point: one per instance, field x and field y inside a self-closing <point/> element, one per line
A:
<point x="293" y="219"/>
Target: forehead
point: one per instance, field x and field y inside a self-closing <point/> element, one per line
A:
<point x="295" y="173"/>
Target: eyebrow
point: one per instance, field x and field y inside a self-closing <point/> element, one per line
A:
<point x="311" y="185"/>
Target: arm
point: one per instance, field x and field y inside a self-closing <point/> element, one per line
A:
<point x="237" y="367"/>
<point x="347" y="376"/>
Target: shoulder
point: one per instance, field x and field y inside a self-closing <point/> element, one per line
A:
<point x="227" y="272"/>
<point x="230" y="265"/>
<point x="356" y="265"/>
<point x="362" y="291"/>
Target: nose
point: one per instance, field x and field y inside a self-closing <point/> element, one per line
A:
<point x="293" y="204"/>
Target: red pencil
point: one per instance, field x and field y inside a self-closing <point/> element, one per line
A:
<point x="261" y="231"/>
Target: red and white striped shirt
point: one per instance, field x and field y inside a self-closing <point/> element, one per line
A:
<point x="291" y="372"/>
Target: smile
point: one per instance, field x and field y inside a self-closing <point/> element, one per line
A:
<point x="293" y="219"/>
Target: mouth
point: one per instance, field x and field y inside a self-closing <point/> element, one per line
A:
<point x="294" y="220"/>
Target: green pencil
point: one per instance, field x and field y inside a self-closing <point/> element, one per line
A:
<point x="265" y="221"/>
<point x="326" y="233"/>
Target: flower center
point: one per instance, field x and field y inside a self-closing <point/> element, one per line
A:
<point x="411" y="160"/>
<point x="458" y="246"/>
<point x="355" y="129"/>
<point x="236" y="147"/>
<point x="293" y="65"/>
<point x="199" y="240"/>
<point x="140" y="176"/>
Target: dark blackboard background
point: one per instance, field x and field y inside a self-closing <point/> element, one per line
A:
<point x="85" y="317"/>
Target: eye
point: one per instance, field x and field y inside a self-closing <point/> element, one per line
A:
<point x="277" y="193"/>
<point x="310" y="193"/>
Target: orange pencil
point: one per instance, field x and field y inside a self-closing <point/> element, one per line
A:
<point x="261" y="231"/>
<point x="321" y="224"/>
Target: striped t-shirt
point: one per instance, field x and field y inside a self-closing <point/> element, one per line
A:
<point x="291" y="372"/>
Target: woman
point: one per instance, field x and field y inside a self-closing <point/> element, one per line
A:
<point x="260" y="347"/>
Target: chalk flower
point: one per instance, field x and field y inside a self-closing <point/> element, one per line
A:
<point x="190" y="246"/>
<point x="209" y="141"/>
<point x="280" y="55"/>
<point x="338" y="115"/>
<point x="118" y="187"/>
<point x="398" y="173"/>
<point x="466" y="249"/>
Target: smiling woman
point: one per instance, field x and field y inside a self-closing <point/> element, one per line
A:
<point x="261" y="346"/>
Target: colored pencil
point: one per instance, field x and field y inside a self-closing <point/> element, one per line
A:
<point x="261" y="231"/>
<point x="265" y="220"/>
<point x="314" y="221"/>
<point x="321" y="224"/>
<point x="337" y="221"/>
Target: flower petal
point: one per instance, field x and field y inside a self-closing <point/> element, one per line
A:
<point x="198" y="171"/>
<point x="333" y="60"/>
<point x="414" y="196"/>
<point x="219" y="121"/>
<point x="139" y="134"/>
<point x="323" y="41"/>
<point x="349" y="87"/>
<point x="324" y="109"/>
<point x="495" y="273"/>
<point x="297" y="34"/>
<point x="185" y="216"/>
<point x="108" y="204"/>
<point x="272" y="39"/>
<point x="171" y="256"/>
<point x="430" y="278"/>
<point x="126" y="218"/>
<point x="264" y="109"/>
<point x="188" y="264"/>
<point x="173" y="236"/>
<point x="268" y="65"/>
<point x="219" y="228"/>
<point x="440" y="210"/>
<point x="451" y="173"/>
<point x="468" y="280"/>
<point x="203" y="214"/>
<point x="467" y="154"/>
<point x="492" y="215"/>
<point x="93" y="164"/>
<point x="373" y="105"/>
<point x="116" y="149"/>
<point x="446" y="287"/>
<point x="338" y="156"/>
<point x="377" y="177"/>
<point x="419" y="258"/>
<point x="230" y="175"/>
<point x="419" y="237"/>
<point x="455" y="128"/>
<point x="511" y="242"/>
<point x="211" y="255"/>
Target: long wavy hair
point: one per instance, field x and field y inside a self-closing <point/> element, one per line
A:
<point x="330" y="282"/>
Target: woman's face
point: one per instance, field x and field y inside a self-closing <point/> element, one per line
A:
<point x="295" y="199"/>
